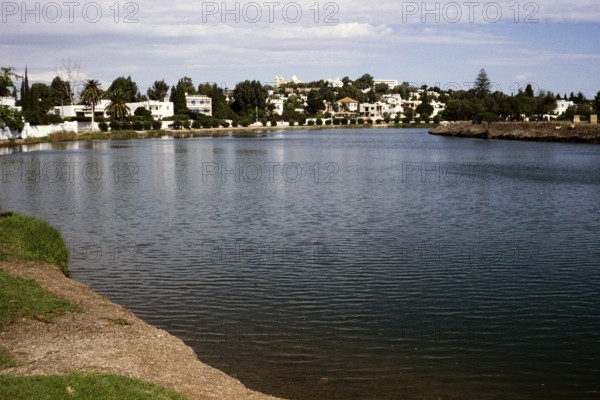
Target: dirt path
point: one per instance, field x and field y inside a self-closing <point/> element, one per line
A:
<point x="107" y="338"/>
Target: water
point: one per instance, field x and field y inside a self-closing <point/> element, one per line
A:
<point x="363" y="264"/>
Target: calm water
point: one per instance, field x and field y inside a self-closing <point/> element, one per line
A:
<point x="363" y="264"/>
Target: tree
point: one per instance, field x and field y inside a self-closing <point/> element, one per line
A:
<point x="365" y="82"/>
<point x="25" y="100"/>
<point x="220" y="109"/>
<point x="92" y="94"/>
<point x="6" y="81"/>
<point x="70" y="76"/>
<point x="315" y="103"/>
<point x="158" y="91"/>
<point x="127" y="87"/>
<point x="597" y="102"/>
<point x="11" y="118"/>
<point x="482" y="84"/>
<point x="249" y="95"/>
<point x="529" y="91"/>
<point x="60" y="92"/>
<point x="118" y="108"/>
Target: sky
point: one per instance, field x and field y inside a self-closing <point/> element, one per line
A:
<point x="551" y="44"/>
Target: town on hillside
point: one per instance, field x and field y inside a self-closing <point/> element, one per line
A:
<point x="67" y="104"/>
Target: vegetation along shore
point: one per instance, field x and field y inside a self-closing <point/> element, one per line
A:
<point x="59" y="339"/>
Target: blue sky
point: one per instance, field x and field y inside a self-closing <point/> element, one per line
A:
<point x="551" y="44"/>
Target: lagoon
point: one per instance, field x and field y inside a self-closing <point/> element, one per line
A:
<point x="342" y="264"/>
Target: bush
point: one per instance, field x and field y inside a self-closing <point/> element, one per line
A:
<point x="137" y="125"/>
<point x="352" y="121"/>
<point x="215" y="123"/>
<point x="186" y="124"/>
<point x="225" y="124"/>
<point x="311" y="122"/>
<point x="235" y="123"/>
<point x="273" y="123"/>
<point x="292" y="122"/>
<point x="379" y="121"/>
<point x="196" y="124"/>
<point x="319" y="121"/>
<point x="156" y="125"/>
<point x="301" y="122"/>
<point x="336" y="121"/>
<point x="369" y="121"/>
<point x="361" y="121"/>
<point x="436" y="119"/>
<point x="103" y="126"/>
<point x="115" y="126"/>
<point x="406" y="120"/>
<point x="328" y="122"/>
<point x="62" y="136"/>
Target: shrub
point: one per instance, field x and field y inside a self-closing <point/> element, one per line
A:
<point x="328" y="122"/>
<point x="336" y="121"/>
<point x="273" y="122"/>
<point x="235" y="123"/>
<point x="156" y="125"/>
<point x="103" y="126"/>
<point x="361" y="121"/>
<point x="137" y="125"/>
<point x="225" y="124"/>
<point x="301" y="122"/>
<point x="311" y="122"/>
<point x="319" y="121"/>
<point x="436" y="119"/>
<point x="147" y="125"/>
<point x="352" y="121"/>
<point x="196" y="124"/>
<point x="292" y="122"/>
<point x="115" y="126"/>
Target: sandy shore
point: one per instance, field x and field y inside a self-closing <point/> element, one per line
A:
<point x="532" y="131"/>
<point x="107" y="338"/>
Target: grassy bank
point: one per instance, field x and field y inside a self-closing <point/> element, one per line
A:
<point x="32" y="239"/>
<point x="28" y="238"/>
<point x="81" y="387"/>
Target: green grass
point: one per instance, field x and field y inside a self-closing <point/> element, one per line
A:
<point x="21" y="297"/>
<point x="32" y="239"/>
<point x="5" y="359"/>
<point x="82" y="387"/>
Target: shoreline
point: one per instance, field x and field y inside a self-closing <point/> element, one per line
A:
<point x="107" y="338"/>
<point x="208" y="132"/>
<point x="527" y="131"/>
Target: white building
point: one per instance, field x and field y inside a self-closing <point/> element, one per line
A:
<point x="374" y="110"/>
<point x="82" y="110"/>
<point x="199" y="103"/>
<point x="348" y="105"/>
<point x="335" y="83"/>
<point x="562" y="106"/>
<point x="391" y="83"/>
<point x="280" y="80"/>
<point x="159" y="109"/>
<point x="8" y="101"/>
<point x="279" y="103"/>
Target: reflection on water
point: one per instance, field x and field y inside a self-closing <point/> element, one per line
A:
<point x="342" y="264"/>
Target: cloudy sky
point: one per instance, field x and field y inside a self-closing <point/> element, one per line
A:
<point x="551" y="43"/>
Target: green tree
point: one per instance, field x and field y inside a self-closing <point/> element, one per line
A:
<point x="249" y="96"/>
<point x="220" y="107"/>
<point x="425" y="108"/>
<point x="7" y="85"/>
<point x="118" y="108"/>
<point x="60" y="92"/>
<point x="158" y="91"/>
<point x="11" y="118"/>
<point x="482" y="84"/>
<point x="364" y="82"/>
<point x="315" y="103"/>
<point x="92" y="94"/>
<point x="127" y="87"/>
<point x="597" y="103"/>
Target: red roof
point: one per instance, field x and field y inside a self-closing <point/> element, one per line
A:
<point x="347" y="100"/>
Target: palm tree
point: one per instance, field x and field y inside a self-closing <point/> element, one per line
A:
<point x="118" y="108"/>
<point x="92" y="94"/>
